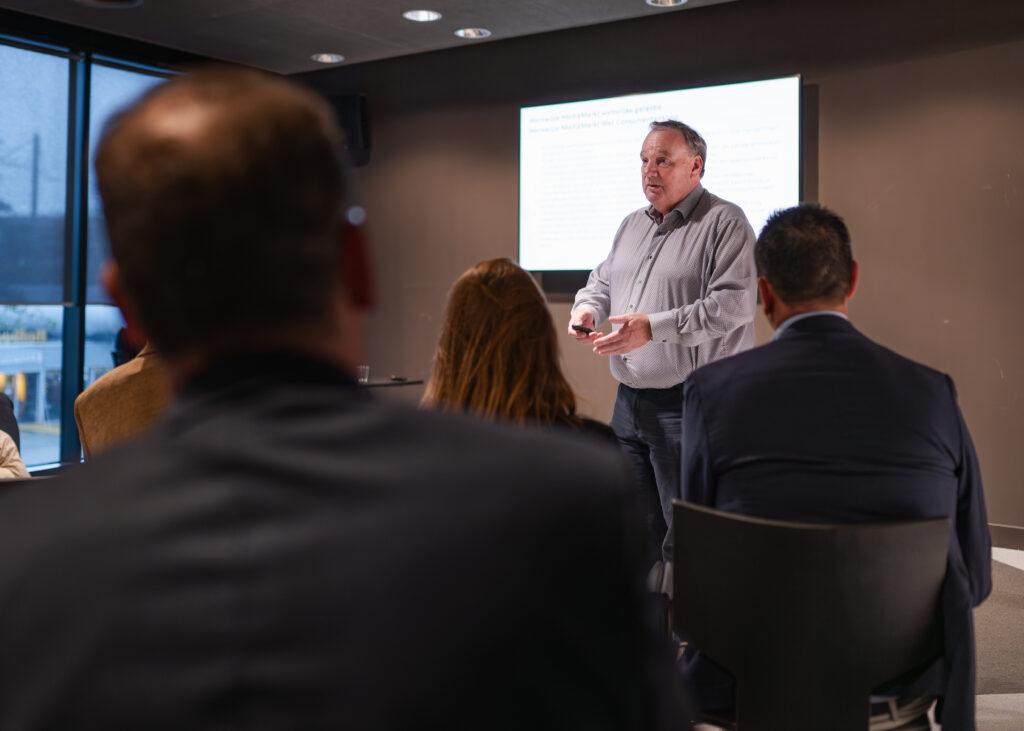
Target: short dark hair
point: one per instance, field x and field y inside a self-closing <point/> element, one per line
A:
<point x="224" y="196"/>
<point x="693" y="139"/>
<point x="804" y="253"/>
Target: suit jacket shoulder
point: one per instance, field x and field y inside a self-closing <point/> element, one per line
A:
<point x="824" y="424"/>
<point x="121" y="403"/>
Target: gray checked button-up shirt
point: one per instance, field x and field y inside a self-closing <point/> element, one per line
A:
<point x="693" y="275"/>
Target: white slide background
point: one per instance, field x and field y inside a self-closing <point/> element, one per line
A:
<point x="579" y="164"/>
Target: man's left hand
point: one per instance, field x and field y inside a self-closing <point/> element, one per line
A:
<point x="635" y="331"/>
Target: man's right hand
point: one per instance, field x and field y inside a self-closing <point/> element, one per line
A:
<point x="586" y="319"/>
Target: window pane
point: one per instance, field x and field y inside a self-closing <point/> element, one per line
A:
<point x="102" y="323"/>
<point x="30" y="373"/>
<point x="33" y="188"/>
<point x="112" y="90"/>
<point x="33" y="175"/>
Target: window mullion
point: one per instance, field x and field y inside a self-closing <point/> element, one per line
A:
<point x="75" y="252"/>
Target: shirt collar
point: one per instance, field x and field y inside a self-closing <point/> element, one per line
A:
<point x="803" y="316"/>
<point x="685" y="206"/>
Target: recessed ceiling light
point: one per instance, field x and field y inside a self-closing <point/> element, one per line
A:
<point x="666" y="3"/>
<point x="327" y="57"/>
<point x="421" y="16"/>
<point x="472" y="33"/>
<point x="110" y="4"/>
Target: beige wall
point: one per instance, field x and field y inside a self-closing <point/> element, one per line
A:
<point x="920" y="120"/>
<point x="925" y="159"/>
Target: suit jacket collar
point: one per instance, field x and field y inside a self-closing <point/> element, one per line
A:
<point x="819" y="324"/>
<point x="247" y="372"/>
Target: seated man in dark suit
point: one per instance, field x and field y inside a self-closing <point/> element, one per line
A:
<point x="824" y="425"/>
<point x="281" y="551"/>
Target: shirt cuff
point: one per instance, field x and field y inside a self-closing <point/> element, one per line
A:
<point x="588" y="308"/>
<point x="663" y="327"/>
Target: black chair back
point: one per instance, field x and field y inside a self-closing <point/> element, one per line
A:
<point x="808" y="618"/>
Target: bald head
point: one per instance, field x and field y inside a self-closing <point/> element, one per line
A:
<point x="224" y="195"/>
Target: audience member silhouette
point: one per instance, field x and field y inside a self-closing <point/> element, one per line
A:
<point x="11" y="464"/>
<point x="8" y="420"/>
<point x="823" y="425"/>
<point x="498" y="353"/>
<point x="125" y="347"/>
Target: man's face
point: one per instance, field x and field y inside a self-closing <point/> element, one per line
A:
<point x="669" y="169"/>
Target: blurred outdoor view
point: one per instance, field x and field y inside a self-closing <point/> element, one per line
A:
<point x="30" y="368"/>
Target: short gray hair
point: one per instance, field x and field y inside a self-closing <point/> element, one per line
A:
<point x="693" y="139"/>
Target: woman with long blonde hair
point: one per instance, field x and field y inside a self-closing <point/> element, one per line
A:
<point x="498" y="352"/>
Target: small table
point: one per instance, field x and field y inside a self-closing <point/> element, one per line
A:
<point x="392" y="382"/>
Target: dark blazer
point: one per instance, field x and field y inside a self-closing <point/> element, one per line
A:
<point x="283" y="551"/>
<point x="824" y="425"/>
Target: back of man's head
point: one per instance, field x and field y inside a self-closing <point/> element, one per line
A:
<point x="224" y="195"/>
<point x="804" y="253"/>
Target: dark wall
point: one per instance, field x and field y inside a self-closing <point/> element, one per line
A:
<point x="920" y="108"/>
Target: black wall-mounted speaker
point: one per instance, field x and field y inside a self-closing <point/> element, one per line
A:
<point x="354" y="120"/>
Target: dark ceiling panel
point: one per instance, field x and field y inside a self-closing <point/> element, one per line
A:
<point x="281" y="35"/>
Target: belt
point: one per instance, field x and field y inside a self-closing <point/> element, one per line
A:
<point x="677" y="387"/>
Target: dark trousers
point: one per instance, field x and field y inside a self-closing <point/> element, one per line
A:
<point x="648" y="423"/>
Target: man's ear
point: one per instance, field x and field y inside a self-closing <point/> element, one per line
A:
<point x="356" y="276"/>
<point x="110" y="279"/>
<point x="767" y="297"/>
<point x="854" y="279"/>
